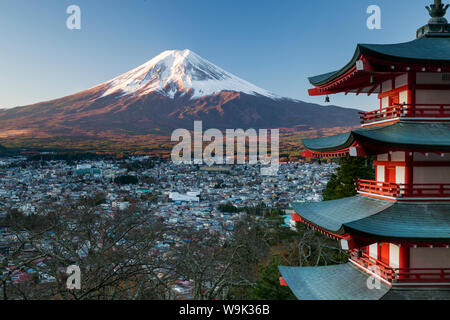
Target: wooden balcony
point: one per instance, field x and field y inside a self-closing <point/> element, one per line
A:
<point x="366" y="261"/>
<point x="405" y="191"/>
<point x="401" y="275"/>
<point x="398" y="111"/>
<point x="378" y="188"/>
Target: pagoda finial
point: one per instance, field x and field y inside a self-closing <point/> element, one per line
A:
<point x="437" y="12"/>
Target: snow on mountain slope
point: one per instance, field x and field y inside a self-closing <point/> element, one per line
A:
<point x="180" y="71"/>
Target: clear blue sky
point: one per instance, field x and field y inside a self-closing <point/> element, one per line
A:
<point x="275" y="44"/>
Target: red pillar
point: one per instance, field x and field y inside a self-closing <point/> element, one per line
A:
<point x="409" y="172"/>
<point x="404" y="259"/>
<point x="411" y="93"/>
<point x="384" y="253"/>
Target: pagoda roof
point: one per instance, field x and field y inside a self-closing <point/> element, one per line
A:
<point x="426" y="50"/>
<point x="335" y="282"/>
<point x="332" y="215"/>
<point x="417" y="294"/>
<point x="347" y="282"/>
<point x="377" y="218"/>
<point x="429" y="221"/>
<point x="402" y="134"/>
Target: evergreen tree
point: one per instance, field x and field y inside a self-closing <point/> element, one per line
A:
<point x="342" y="183"/>
<point x="126" y="179"/>
<point x="268" y="286"/>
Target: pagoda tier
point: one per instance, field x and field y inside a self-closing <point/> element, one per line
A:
<point x="397" y="229"/>
<point x="369" y="220"/>
<point x="374" y="67"/>
<point x="406" y="136"/>
<point x="348" y="282"/>
<point x="338" y="282"/>
<point x="403" y="245"/>
<point x="412" y="79"/>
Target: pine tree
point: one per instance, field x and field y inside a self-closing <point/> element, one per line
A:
<point x="342" y="183"/>
<point x="268" y="286"/>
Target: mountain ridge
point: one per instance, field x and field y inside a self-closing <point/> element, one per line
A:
<point x="182" y="72"/>
<point x="168" y="92"/>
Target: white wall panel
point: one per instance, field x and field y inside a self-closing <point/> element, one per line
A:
<point x="394" y="255"/>
<point x="380" y="174"/>
<point x="430" y="78"/>
<point x="400" y="175"/>
<point x="373" y="250"/>
<point x="401" y="80"/>
<point x="429" y="258"/>
<point x="431" y="175"/>
<point x="432" y="96"/>
<point x="398" y="156"/>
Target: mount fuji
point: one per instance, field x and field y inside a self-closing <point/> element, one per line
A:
<point x="176" y="72"/>
<point x="170" y="91"/>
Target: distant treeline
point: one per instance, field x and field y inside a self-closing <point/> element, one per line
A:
<point x="6" y="152"/>
<point x="70" y="156"/>
<point x="258" y="210"/>
<point x="126" y="179"/>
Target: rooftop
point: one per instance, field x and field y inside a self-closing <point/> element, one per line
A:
<point x="379" y="219"/>
<point x="402" y="134"/>
<point x="430" y="50"/>
<point x="336" y="282"/>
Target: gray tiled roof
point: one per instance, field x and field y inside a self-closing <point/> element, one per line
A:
<point x="407" y="220"/>
<point x="418" y="294"/>
<point x="331" y="215"/>
<point x="427" y="49"/>
<point x="403" y="134"/>
<point x="336" y="282"/>
<point x="380" y="218"/>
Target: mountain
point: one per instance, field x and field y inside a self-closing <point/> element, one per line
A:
<point x="174" y="73"/>
<point x="170" y="91"/>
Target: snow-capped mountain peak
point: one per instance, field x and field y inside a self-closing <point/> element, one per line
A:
<point x="181" y="71"/>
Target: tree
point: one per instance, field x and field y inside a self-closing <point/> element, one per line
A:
<point x="228" y="208"/>
<point x="126" y="179"/>
<point x="114" y="254"/>
<point x="268" y="286"/>
<point x="218" y="265"/>
<point x="315" y="249"/>
<point x="342" y="183"/>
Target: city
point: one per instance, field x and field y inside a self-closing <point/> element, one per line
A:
<point x="178" y="195"/>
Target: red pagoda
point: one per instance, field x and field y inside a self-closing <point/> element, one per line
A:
<point x="397" y="228"/>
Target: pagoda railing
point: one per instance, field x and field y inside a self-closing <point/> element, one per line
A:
<point x="381" y="114"/>
<point x="376" y="187"/>
<point x="422" y="275"/>
<point x="424" y="190"/>
<point x="378" y="267"/>
<point x="400" y="275"/>
<point x="406" y="111"/>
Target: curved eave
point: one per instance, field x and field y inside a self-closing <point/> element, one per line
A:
<point x="326" y="78"/>
<point x="331" y="215"/>
<point x="407" y="134"/>
<point x="335" y="282"/>
<point x="426" y="51"/>
<point x="330" y="143"/>
<point x="426" y="222"/>
<point x="402" y="134"/>
<point x="373" y="218"/>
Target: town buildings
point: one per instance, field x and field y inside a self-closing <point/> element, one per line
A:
<point x="181" y="195"/>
